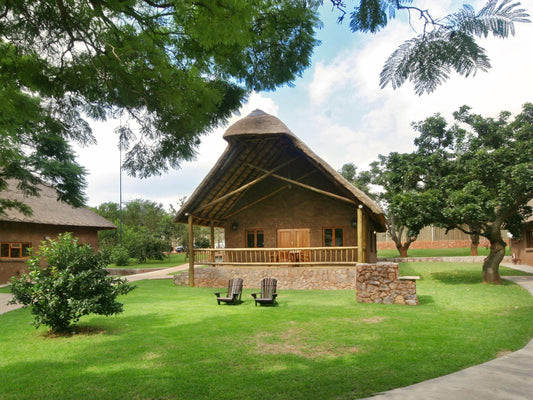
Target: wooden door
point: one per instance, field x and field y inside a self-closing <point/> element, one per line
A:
<point x="285" y="238"/>
<point x="301" y="237"/>
<point x="291" y="238"/>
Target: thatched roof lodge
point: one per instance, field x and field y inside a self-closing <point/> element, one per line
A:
<point x="50" y="217"/>
<point x="269" y="191"/>
<point x="522" y="248"/>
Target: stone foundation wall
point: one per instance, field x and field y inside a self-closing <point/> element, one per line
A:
<point x="315" y="278"/>
<point x="381" y="283"/>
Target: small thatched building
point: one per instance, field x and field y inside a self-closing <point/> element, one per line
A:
<point x="280" y="203"/>
<point x="522" y="248"/>
<point x="19" y="233"/>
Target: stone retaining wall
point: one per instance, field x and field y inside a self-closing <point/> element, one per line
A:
<point x="374" y="283"/>
<point x="381" y="283"/>
<point x="313" y="278"/>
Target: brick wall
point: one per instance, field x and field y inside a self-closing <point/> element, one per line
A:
<point x="296" y="208"/>
<point x="436" y="244"/>
<point x="35" y="234"/>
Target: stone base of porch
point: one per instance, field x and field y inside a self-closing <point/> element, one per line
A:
<point x="374" y="283"/>
<point x="300" y="278"/>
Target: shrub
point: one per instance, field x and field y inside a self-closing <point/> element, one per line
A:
<point x="74" y="283"/>
<point x="202" y="242"/>
<point x="120" y="256"/>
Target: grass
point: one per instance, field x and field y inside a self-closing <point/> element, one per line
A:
<point x="175" y="259"/>
<point x="176" y="343"/>
<point x="455" y="252"/>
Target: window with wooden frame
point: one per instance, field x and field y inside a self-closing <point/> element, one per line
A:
<point x="15" y="250"/>
<point x="529" y="238"/>
<point x="333" y="237"/>
<point x="255" y="238"/>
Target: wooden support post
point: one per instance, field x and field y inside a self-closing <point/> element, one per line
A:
<point x="212" y="253"/>
<point x="365" y="236"/>
<point x="360" y="254"/>
<point x="191" y="251"/>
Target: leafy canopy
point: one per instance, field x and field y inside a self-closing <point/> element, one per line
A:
<point x="169" y="70"/>
<point x="146" y="231"/>
<point x="478" y="172"/>
<point x="475" y="175"/>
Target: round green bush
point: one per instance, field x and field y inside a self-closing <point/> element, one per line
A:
<point x="120" y="256"/>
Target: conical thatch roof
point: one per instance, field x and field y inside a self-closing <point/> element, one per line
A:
<point x="259" y="145"/>
<point x="257" y="122"/>
<point x="48" y="210"/>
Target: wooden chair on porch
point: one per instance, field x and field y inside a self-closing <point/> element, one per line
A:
<point x="268" y="292"/>
<point x="234" y="292"/>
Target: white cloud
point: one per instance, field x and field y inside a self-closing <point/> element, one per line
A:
<point x="355" y="120"/>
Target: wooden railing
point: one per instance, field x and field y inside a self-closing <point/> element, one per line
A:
<point x="277" y="256"/>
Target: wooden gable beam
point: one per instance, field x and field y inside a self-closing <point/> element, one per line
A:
<point x="308" y="187"/>
<point x="247" y="185"/>
<point x="268" y="195"/>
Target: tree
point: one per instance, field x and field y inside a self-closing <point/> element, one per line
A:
<point x="444" y="45"/>
<point x="475" y="176"/>
<point x="394" y="174"/>
<point x="74" y="283"/>
<point x="148" y="230"/>
<point x="360" y="180"/>
<point x="169" y="70"/>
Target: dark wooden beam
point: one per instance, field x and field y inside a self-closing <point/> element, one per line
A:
<point x="268" y="195"/>
<point x="312" y="188"/>
<point x="247" y="185"/>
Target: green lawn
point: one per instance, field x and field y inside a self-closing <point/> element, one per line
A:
<point x="456" y="252"/>
<point x="5" y="289"/>
<point x="176" y="343"/>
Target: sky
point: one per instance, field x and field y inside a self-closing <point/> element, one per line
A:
<point x="337" y="107"/>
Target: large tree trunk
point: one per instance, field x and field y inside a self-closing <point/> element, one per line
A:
<point x="474" y="244"/>
<point x="491" y="265"/>
<point x="402" y="248"/>
<point x="396" y="234"/>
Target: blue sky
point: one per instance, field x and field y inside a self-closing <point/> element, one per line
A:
<point x="337" y="107"/>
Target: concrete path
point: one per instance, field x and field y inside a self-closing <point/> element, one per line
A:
<point x="159" y="274"/>
<point x="506" y="378"/>
<point x="4" y="298"/>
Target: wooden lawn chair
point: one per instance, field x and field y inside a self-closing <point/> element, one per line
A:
<point x="234" y="292"/>
<point x="268" y="292"/>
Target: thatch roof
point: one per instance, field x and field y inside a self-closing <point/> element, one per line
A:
<point x="48" y="210"/>
<point x="262" y="149"/>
